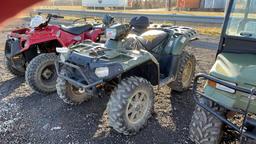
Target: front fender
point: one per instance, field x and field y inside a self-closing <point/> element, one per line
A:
<point x="32" y="42"/>
<point x="144" y="65"/>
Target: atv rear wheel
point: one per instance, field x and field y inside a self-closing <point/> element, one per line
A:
<point x="130" y="105"/>
<point x="11" y="69"/>
<point x="185" y="74"/>
<point x="69" y="93"/>
<point x="41" y="73"/>
<point x="205" y="128"/>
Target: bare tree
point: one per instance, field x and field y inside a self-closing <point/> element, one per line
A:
<point x="170" y="5"/>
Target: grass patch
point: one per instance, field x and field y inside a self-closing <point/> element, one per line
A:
<point x="211" y="31"/>
<point x="63" y="7"/>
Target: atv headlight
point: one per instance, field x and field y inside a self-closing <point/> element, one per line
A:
<point x="62" y="50"/>
<point x="102" y="72"/>
<point x="222" y="87"/>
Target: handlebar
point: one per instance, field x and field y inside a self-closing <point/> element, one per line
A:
<point x="54" y="16"/>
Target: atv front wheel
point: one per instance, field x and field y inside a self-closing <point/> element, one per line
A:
<point x="69" y="93"/>
<point x="205" y="128"/>
<point x="185" y="73"/>
<point x="11" y="69"/>
<point x="41" y="74"/>
<point x="130" y="105"/>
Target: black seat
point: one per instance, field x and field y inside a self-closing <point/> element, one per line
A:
<point x="152" y="38"/>
<point x="77" y="29"/>
<point x="139" y="24"/>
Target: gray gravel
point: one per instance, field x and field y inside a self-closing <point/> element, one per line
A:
<point x="28" y="117"/>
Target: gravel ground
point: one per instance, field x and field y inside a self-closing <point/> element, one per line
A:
<point x="27" y="117"/>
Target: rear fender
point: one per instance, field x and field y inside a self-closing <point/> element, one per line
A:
<point x="176" y="46"/>
<point x="45" y="47"/>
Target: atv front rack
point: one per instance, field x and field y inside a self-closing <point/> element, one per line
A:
<point x="72" y="81"/>
<point x="197" y="94"/>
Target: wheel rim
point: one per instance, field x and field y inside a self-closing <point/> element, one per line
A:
<point x="188" y="70"/>
<point x="48" y="75"/>
<point x="137" y="107"/>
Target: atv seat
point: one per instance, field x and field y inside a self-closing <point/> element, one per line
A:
<point x="152" y="38"/>
<point x="77" y="30"/>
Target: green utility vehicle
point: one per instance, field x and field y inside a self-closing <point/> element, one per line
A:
<point x="133" y="60"/>
<point x="230" y="88"/>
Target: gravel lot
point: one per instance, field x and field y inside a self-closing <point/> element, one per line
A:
<point x="27" y="117"/>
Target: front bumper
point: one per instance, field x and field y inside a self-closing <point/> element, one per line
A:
<point x="197" y="94"/>
<point x="74" y="82"/>
<point x="83" y="71"/>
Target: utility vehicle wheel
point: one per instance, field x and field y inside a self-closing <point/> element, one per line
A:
<point x="11" y="69"/>
<point x="68" y="93"/>
<point x="185" y="73"/>
<point x="205" y="128"/>
<point x="41" y="74"/>
<point x="130" y="105"/>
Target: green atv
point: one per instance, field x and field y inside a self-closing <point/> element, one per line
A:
<point x="133" y="60"/>
<point x="230" y="87"/>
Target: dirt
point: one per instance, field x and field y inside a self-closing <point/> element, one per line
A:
<point x="28" y="117"/>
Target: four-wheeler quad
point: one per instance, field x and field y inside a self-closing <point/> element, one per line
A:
<point x="228" y="100"/>
<point x="127" y="66"/>
<point x="33" y="50"/>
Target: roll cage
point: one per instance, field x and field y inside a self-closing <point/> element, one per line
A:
<point x="242" y="42"/>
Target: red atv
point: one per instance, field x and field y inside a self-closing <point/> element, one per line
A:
<point x="34" y="50"/>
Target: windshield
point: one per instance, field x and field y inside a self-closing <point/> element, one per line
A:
<point x="242" y="20"/>
<point x="36" y="21"/>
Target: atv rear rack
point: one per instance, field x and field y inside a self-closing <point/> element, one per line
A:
<point x="72" y="81"/>
<point x="196" y="94"/>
